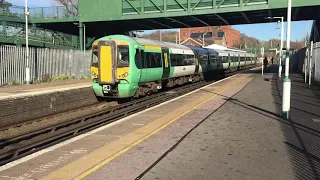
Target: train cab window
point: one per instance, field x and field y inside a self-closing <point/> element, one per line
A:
<point x="139" y="58"/>
<point x="153" y="60"/>
<point x="204" y="58"/>
<point x="212" y="58"/>
<point x="123" y="56"/>
<point x="94" y="56"/>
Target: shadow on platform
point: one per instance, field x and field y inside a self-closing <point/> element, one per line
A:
<point x="302" y="130"/>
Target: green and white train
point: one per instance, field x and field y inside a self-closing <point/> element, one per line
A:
<point x="125" y="67"/>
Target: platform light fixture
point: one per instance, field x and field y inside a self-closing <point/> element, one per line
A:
<point x="27" y="13"/>
<point x="281" y="44"/>
<point x="138" y="32"/>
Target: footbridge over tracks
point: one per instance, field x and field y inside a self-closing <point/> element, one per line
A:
<point x="125" y="15"/>
<point x="103" y="17"/>
<point x="122" y="15"/>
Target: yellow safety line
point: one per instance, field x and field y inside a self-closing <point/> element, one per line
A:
<point x="96" y="167"/>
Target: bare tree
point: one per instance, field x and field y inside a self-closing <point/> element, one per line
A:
<point x="71" y="6"/>
<point x="4" y="5"/>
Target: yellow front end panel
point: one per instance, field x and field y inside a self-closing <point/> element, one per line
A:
<point x="106" y="75"/>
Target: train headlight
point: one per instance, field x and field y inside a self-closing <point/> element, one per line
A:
<point x="94" y="74"/>
<point x="125" y="74"/>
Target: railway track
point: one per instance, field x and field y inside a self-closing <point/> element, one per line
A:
<point x="28" y="143"/>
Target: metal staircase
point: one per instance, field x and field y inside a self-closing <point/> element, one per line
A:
<point x="12" y="30"/>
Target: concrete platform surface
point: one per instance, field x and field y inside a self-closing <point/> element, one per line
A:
<point x="24" y="90"/>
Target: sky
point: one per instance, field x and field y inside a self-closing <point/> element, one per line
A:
<point x="267" y="31"/>
<point x="263" y="31"/>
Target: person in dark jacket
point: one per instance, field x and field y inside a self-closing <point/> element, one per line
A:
<point x="265" y="63"/>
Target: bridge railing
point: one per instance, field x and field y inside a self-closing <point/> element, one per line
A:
<point x="54" y="12"/>
<point x="58" y="39"/>
<point x="45" y="64"/>
<point x="12" y="11"/>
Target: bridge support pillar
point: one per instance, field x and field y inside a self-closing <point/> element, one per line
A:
<point x="4" y="28"/>
<point x="81" y="35"/>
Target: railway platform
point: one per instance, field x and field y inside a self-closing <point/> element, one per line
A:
<point x="24" y="102"/>
<point x="231" y="129"/>
<point x="28" y="90"/>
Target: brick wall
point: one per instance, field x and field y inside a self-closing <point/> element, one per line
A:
<point x="232" y="35"/>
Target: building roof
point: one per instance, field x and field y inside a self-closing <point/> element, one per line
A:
<point x="216" y="46"/>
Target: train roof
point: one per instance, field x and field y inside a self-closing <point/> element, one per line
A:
<point x="159" y="43"/>
<point x="220" y="52"/>
<point x="177" y="47"/>
<point x="142" y="41"/>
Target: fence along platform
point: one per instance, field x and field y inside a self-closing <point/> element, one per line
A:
<point x="45" y="64"/>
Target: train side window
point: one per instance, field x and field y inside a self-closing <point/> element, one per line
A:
<point x="153" y="60"/>
<point x="123" y="56"/>
<point x="191" y="60"/>
<point x="139" y="60"/>
<point x="177" y="59"/>
<point x="182" y="60"/>
<point x="187" y="60"/>
<point x="174" y="59"/>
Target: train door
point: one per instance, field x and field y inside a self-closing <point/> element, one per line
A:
<point x="165" y="62"/>
<point x="107" y="62"/>
<point x="245" y="60"/>
<point x="140" y="64"/>
<point x="229" y="61"/>
<point x="239" y="63"/>
<point x="197" y="63"/>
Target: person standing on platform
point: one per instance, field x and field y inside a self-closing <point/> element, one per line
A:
<point x="265" y="63"/>
<point x="272" y="60"/>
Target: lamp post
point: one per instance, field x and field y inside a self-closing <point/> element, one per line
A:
<point x="286" y="80"/>
<point x="84" y="38"/>
<point x="203" y="39"/>
<point x="179" y="36"/>
<point x="281" y="46"/>
<point x="27" y="44"/>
